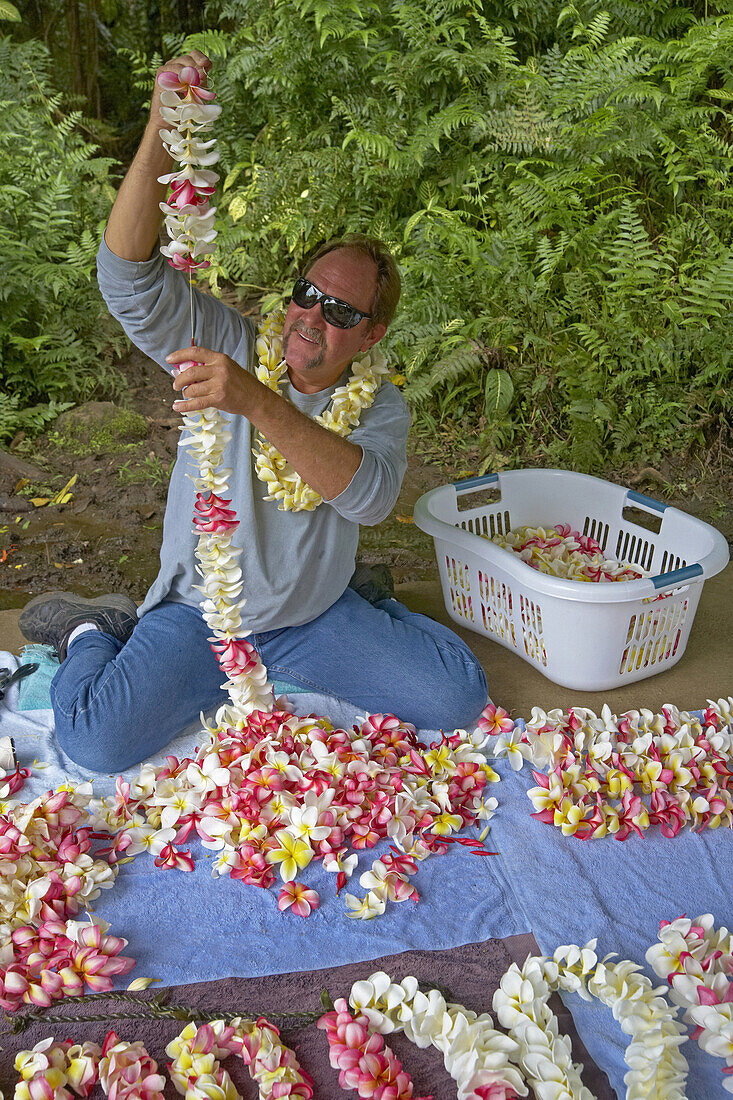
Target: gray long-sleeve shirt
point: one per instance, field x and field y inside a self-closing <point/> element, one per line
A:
<point x="295" y="564"/>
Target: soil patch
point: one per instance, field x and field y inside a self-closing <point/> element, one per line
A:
<point x="103" y="532"/>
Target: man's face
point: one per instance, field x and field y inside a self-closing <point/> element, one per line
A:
<point x="316" y="352"/>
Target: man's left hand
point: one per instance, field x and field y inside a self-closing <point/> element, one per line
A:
<point x="212" y="381"/>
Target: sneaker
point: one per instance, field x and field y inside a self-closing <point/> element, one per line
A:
<point x="372" y="582"/>
<point x="50" y="618"/>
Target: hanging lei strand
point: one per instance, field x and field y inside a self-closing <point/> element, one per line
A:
<point x="186" y="106"/>
<point x="367" y="374"/>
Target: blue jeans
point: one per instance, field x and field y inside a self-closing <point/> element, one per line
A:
<point x="116" y="704"/>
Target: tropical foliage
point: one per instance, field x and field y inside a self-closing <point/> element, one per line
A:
<point x="56" y="340"/>
<point x="557" y="190"/>
<point x="553" y="177"/>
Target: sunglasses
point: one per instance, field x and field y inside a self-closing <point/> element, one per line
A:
<point x="335" y="312"/>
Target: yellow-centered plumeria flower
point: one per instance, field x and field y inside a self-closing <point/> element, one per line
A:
<point x="569" y="816"/>
<point x="445" y="824"/>
<point x="293" y="854"/>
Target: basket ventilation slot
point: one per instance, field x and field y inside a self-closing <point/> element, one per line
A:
<point x="487" y="525"/>
<point x="597" y="530"/>
<point x="670" y="562"/>
<point x="634" y="549"/>
<point x="653" y="636"/>
<point x="497" y="608"/>
<point x="460" y="588"/>
<point x="534" y="647"/>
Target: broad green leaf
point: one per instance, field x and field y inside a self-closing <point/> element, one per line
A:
<point x="237" y="207"/>
<point x="9" y="12"/>
<point x="498" y="393"/>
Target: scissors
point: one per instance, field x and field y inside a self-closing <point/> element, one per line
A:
<point x="8" y="678"/>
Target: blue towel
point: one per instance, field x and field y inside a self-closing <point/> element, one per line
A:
<point x="572" y="890"/>
<point x="34" y="690"/>
<point x="236" y="930"/>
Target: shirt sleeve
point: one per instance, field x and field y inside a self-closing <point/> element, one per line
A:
<point x="152" y="303"/>
<point x="382" y="435"/>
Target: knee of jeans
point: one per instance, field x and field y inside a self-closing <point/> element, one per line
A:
<point x="91" y="748"/>
<point x="460" y="705"/>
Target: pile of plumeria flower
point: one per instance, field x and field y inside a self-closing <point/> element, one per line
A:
<point x="697" y="961"/>
<point x="609" y="775"/>
<point x="281" y="791"/>
<point x="562" y="552"/>
<point x="48" y="875"/>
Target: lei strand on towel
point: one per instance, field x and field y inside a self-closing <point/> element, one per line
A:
<point x="613" y="776"/>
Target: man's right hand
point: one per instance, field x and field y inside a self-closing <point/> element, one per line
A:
<point x="196" y="60"/>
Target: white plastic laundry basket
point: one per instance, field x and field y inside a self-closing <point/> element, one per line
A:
<point x="584" y="636"/>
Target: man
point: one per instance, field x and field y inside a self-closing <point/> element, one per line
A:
<point x="130" y="679"/>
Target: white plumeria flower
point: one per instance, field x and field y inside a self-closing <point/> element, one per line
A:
<point x="225" y="862"/>
<point x="403" y="820"/>
<point x="218" y="831"/>
<point x="279" y="806"/>
<point x="304" y="823"/>
<point x="337" y="861"/>
<point x="513" y="746"/>
<point x="180" y="805"/>
<point x="144" y="838"/>
<point x="320" y="802"/>
<point x="282" y="763"/>
<point x="487" y="808"/>
<point x="373" y="879"/>
<point x="365" y="908"/>
<point x="209" y="774"/>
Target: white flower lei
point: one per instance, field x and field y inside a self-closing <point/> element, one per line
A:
<point x="658" y="1069"/>
<point x="475" y="1054"/>
<point x="367" y="374"/>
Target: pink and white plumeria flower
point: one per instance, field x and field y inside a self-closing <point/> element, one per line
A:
<point x="302" y="900"/>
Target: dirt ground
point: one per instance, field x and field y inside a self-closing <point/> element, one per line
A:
<point x="106" y="536"/>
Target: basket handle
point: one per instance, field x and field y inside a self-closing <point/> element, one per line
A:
<point x="645" y="501"/>
<point x="677" y="576"/>
<point x="466" y="484"/>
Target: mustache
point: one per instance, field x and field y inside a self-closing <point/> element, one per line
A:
<point x="310" y="333"/>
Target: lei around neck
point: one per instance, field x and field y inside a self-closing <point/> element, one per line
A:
<point x="368" y="372"/>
